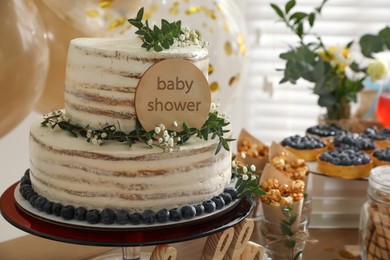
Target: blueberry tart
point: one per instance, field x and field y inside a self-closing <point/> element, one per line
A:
<point x="325" y="132"/>
<point x="346" y="164"/>
<point x="382" y="157"/>
<point x="304" y="147"/>
<point x="381" y="137"/>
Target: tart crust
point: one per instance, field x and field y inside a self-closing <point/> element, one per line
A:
<point x="309" y="155"/>
<point x="378" y="162"/>
<point x="344" y="171"/>
<point x="381" y="144"/>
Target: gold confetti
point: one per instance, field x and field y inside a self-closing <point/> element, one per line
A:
<point x="328" y="248"/>
<point x="226" y="26"/>
<point x="174" y="9"/>
<point x="214" y="86"/>
<point x="195" y="9"/>
<point x="191" y="10"/>
<point x="220" y="7"/>
<point x="105" y="3"/>
<point x="233" y="79"/>
<point x="148" y="13"/>
<point x="228" y="48"/>
<point x="211" y="69"/>
<point x="241" y="43"/>
<point x="92" y="13"/>
<point x="117" y="22"/>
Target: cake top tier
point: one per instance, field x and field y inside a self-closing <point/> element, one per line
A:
<point x="102" y="76"/>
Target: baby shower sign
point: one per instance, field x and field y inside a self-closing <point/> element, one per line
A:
<point x="171" y="92"/>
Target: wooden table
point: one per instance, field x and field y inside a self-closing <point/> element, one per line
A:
<point x="330" y="243"/>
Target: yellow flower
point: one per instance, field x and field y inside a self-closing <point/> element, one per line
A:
<point x="377" y="69"/>
<point x="337" y="56"/>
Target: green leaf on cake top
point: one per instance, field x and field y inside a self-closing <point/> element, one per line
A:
<point x="168" y="35"/>
<point x="161" y="137"/>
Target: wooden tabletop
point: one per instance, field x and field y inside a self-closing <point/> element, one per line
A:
<point x="331" y="245"/>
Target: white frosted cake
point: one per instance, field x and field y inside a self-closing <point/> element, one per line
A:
<point x="101" y="81"/>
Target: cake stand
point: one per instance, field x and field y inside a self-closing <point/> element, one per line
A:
<point x="131" y="239"/>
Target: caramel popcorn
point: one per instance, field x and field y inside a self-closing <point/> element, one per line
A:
<point x="274" y="194"/>
<point x="284" y="190"/>
<point x="282" y="194"/>
<point x="297" y="196"/>
<point x="295" y="169"/>
<point x="270" y="184"/>
<point x="298" y="186"/>
<point x="254" y="150"/>
<point x="285" y="201"/>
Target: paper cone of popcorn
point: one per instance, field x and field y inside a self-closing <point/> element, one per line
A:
<point x="281" y="191"/>
<point x="256" y="152"/>
<point x="284" y="195"/>
<point x="288" y="163"/>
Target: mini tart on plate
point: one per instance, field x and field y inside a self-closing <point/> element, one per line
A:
<point x="304" y="147"/>
<point x="355" y="142"/>
<point x="325" y="132"/>
<point x="346" y="164"/>
<point x="381" y="157"/>
<point x="381" y="137"/>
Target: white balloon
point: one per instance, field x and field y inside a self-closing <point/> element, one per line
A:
<point x="220" y="23"/>
<point x="96" y="17"/>
<point x="24" y="56"/>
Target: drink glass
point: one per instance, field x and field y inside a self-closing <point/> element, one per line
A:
<point x="383" y="106"/>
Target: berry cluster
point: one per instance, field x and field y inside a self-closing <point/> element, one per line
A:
<point x="376" y="134"/>
<point x="303" y="142"/>
<point x="383" y="155"/>
<point x="347" y="157"/>
<point x="122" y="217"/>
<point x="353" y="141"/>
<point x="325" y="130"/>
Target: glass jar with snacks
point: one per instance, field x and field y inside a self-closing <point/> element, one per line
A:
<point x="375" y="216"/>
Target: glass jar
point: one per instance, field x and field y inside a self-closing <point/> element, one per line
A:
<point x="375" y="216"/>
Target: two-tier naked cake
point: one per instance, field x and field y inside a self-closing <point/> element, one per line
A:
<point x="101" y="82"/>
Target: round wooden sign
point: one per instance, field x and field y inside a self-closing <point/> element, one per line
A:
<point x="171" y="92"/>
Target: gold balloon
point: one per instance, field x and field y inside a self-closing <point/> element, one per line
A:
<point x="220" y="23"/>
<point x="24" y="57"/>
<point x="96" y="17"/>
<point x="59" y="34"/>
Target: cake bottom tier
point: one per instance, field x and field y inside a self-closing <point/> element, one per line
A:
<point x="113" y="175"/>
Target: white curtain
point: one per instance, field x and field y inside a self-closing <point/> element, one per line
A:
<point x="272" y="111"/>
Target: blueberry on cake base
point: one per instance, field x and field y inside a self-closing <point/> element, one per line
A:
<point x="346" y="164"/>
<point x="304" y="147"/>
<point x="382" y="157"/>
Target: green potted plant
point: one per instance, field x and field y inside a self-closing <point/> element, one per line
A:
<point x="336" y="77"/>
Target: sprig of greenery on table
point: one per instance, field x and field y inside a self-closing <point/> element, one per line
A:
<point x="286" y="227"/>
<point x="156" y="38"/>
<point x="213" y="126"/>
